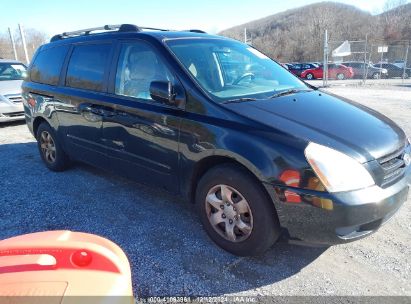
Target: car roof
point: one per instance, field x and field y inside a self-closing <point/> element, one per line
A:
<point x="158" y="34"/>
<point x="10" y="61"/>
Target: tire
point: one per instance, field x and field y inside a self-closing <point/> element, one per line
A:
<point x="340" y="76"/>
<point x="309" y="76"/>
<point x="254" y="229"/>
<point x="405" y="76"/>
<point x="376" y="76"/>
<point x="47" y="141"/>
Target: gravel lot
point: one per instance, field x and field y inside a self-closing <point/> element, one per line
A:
<point x="169" y="252"/>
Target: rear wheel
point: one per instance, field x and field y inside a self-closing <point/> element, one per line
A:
<point x="405" y="76"/>
<point x="235" y="211"/>
<point x="340" y="76"/>
<point x="309" y="76"/>
<point x="50" y="148"/>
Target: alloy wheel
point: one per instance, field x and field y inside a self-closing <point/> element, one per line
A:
<point x="340" y="76"/>
<point x="229" y="213"/>
<point x="48" y="147"/>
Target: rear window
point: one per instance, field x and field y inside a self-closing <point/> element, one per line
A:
<point x="87" y="67"/>
<point x="47" y="65"/>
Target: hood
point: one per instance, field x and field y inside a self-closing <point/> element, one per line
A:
<point x="10" y="87"/>
<point x="344" y="125"/>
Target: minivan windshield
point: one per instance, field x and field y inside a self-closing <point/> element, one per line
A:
<point x="232" y="70"/>
<point x="12" y="71"/>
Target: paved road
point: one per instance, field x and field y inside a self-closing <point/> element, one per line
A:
<point x="169" y="252"/>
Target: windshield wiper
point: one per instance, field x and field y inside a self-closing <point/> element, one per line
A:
<point x="286" y="92"/>
<point x="238" y="100"/>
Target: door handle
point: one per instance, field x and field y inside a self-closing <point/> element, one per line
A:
<point x="97" y="110"/>
<point x="85" y="107"/>
<point x="106" y="112"/>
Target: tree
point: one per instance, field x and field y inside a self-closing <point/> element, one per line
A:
<point x="34" y="38"/>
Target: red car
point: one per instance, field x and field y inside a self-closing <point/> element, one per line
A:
<point x="336" y="71"/>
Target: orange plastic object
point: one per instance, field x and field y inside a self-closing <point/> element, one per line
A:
<point x="63" y="264"/>
<point x="291" y="178"/>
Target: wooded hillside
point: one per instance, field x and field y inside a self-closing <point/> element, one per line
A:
<point x="298" y="34"/>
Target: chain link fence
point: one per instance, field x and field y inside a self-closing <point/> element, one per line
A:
<point x="372" y="61"/>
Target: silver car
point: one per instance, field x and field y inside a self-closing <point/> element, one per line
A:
<point x="12" y="74"/>
<point x="372" y="71"/>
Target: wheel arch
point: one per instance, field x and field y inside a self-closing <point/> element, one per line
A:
<point x="36" y="123"/>
<point x="206" y="163"/>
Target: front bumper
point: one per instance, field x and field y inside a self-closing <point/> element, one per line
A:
<point x="11" y="112"/>
<point x="324" y="218"/>
<point x="14" y="116"/>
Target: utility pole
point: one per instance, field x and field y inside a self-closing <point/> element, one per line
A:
<point x="325" y="64"/>
<point x="365" y="59"/>
<point x="245" y="35"/>
<point x="23" y="41"/>
<point x="13" y="44"/>
<point x="405" y="62"/>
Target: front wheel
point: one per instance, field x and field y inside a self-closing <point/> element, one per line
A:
<point x="235" y="211"/>
<point x="309" y="76"/>
<point x="376" y="76"/>
<point x="340" y="76"/>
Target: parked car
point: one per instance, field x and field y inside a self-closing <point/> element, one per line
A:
<point x="298" y="68"/>
<point x="399" y="63"/>
<point x="260" y="154"/>
<point x="12" y="74"/>
<point x="394" y="71"/>
<point x="335" y="71"/>
<point x="285" y="65"/>
<point x="372" y="71"/>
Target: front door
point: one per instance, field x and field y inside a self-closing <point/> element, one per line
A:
<point x="142" y="134"/>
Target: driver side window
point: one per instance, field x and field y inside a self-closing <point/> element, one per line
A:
<point x="139" y="65"/>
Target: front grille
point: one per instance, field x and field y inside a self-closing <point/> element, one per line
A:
<point x="13" y="114"/>
<point x="393" y="167"/>
<point x="14" y="98"/>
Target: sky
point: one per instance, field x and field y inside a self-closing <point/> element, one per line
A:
<point x="57" y="16"/>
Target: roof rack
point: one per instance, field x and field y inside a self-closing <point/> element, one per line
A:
<point x="118" y="27"/>
<point x="195" y="31"/>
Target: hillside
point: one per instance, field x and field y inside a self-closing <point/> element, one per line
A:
<point x="298" y="34"/>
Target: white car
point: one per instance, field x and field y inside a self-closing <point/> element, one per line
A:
<point x="12" y="73"/>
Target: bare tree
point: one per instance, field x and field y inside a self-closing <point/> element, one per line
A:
<point x="391" y="4"/>
<point x="6" y="49"/>
<point x="34" y="38"/>
<point x="297" y="34"/>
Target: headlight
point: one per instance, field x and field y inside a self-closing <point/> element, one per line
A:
<point x="3" y="99"/>
<point x="384" y="71"/>
<point x="337" y="171"/>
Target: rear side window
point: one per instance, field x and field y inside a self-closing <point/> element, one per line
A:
<point x="47" y="65"/>
<point x="86" y="69"/>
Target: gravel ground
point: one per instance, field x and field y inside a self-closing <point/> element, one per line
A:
<point x="170" y="253"/>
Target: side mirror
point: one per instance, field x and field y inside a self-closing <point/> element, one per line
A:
<point x="162" y="91"/>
